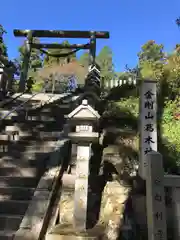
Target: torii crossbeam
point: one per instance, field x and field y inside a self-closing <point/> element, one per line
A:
<point x="61" y="33"/>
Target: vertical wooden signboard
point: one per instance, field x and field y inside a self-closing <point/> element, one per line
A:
<point x="147" y="123"/>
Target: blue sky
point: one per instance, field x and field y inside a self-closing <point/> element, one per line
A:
<point x="130" y="22"/>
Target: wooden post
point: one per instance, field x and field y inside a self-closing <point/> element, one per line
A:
<point x="25" y="65"/>
<point x="147" y="123"/>
<point x="92" y="51"/>
<point x="155" y="197"/>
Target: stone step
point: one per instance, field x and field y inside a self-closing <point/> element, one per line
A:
<point x="29" y="144"/>
<point x="52" y="112"/>
<point x="5" y="102"/>
<point x="28" y="161"/>
<point x="10" y="222"/>
<point x="19" y="171"/>
<point x="3" y="113"/>
<point x="7" y="235"/>
<point x="27" y="123"/>
<point x="44" y="110"/>
<point x="66" y="106"/>
<point x="13" y="116"/>
<point x="33" y="142"/>
<point x="13" y="207"/>
<point x="26" y="155"/>
<point x="45" y="97"/>
<point x="52" y="135"/>
<point x="27" y="136"/>
<point x="16" y="193"/>
<point x="29" y="182"/>
<point x="12" y="129"/>
<point x="52" y="127"/>
<point x="37" y="118"/>
<point x="25" y="149"/>
<point x="40" y="117"/>
<point x="20" y="131"/>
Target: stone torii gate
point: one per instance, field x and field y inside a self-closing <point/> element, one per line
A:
<point x="30" y="34"/>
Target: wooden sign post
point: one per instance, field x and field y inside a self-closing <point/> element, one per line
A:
<point x="147" y="123"/>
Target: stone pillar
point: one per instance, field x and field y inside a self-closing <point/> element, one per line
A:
<point x="3" y="80"/>
<point x="176" y="212"/>
<point x="155" y="197"/>
<point x="25" y="66"/>
<point x="147" y="122"/>
<point x="81" y="186"/>
<point x="10" y="81"/>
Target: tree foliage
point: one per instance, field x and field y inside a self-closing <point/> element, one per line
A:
<point x="105" y="61"/>
<point x="151" y="51"/>
<point x="172" y="72"/>
<point x="158" y="65"/>
<point x="3" y="47"/>
<point x="84" y="59"/>
<point x="151" y="60"/>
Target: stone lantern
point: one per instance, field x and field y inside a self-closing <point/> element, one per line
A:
<point x="84" y="121"/>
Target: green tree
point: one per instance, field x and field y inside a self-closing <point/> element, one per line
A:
<point x="178" y="21"/>
<point x="151" y="51"/>
<point x="105" y="61"/>
<point x="3" y="47"/>
<point x="151" y="60"/>
<point x="172" y="72"/>
<point x="84" y="59"/>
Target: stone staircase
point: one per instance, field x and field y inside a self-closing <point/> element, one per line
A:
<point x="26" y="141"/>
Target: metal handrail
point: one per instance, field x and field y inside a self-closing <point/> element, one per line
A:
<point x="20" y="105"/>
<point x="15" y="109"/>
